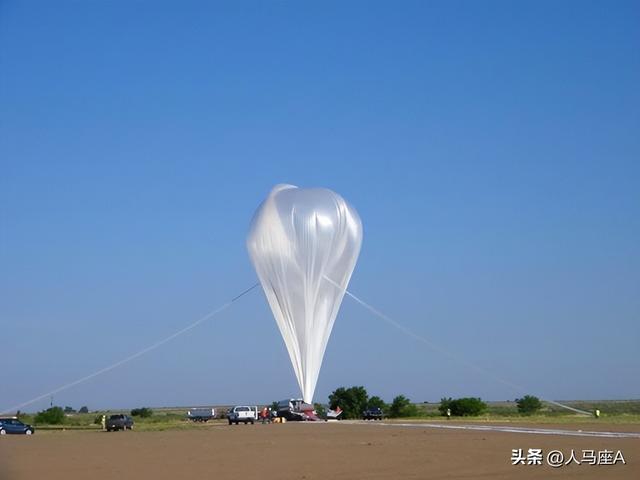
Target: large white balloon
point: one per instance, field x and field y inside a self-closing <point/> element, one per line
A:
<point x="302" y="240"/>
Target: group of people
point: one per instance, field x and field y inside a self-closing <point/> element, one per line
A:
<point x="266" y="415"/>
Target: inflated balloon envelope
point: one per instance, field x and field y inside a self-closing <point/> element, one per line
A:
<point x="304" y="243"/>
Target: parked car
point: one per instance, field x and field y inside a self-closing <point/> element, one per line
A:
<point x="119" y="422"/>
<point x="201" y="414"/>
<point x="242" y="413"/>
<point x="372" y="414"/>
<point x="15" y="426"/>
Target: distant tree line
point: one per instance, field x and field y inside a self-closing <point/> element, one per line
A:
<point x="50" y="416"/>
<point x="70" y="410"/>
<point x="143" y="412"/>
<point x="57" y="415"/>
<point x="528" y="404"/>
<point x="355" y="400"/>
<point x="462" y="407"/>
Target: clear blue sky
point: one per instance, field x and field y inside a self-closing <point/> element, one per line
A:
<point x="492" y="150"/>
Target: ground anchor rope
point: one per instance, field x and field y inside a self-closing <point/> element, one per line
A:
<point x="441" y="350"/>
<point x="119" y="363"/>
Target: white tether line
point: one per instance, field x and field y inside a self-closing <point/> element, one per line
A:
<point x="133" y="356"/>
<point x="441" y="350"/>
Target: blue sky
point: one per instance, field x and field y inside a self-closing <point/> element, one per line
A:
<point x="491" y="148"/>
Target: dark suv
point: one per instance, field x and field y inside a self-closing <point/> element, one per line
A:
<point x="13" y="425"/>
<point x="119" y="422"/>
<point x="372" y="414"/>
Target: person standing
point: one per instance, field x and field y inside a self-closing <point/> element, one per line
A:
<point x="103" y="421"/>
<point x="264" y="415"/>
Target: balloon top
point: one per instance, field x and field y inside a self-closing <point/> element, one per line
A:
<point x="304" y="243"/>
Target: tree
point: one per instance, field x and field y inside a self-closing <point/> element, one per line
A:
<point x="528" y="404"/>
<point x="143" y="412"/>
<point x="463" y="407"/>
<point x="24" y="417"/>
<point x="69" y="410"/>
<point x="353" y="401"/>
<point x="83" y="410"/>
<point x="320" y="410"/>
<point x="377" y="402"/>
<point x="445" y="404"/>
<point x="401" y="406"/>
<point x="50" y="416"/>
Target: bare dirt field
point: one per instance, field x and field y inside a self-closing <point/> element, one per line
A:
<point x="304" y="451"/>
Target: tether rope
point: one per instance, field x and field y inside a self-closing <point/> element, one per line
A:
<point x="517" y="388"/>
<point x="133" y="356"/>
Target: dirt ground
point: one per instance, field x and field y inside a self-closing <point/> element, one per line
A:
<point x="303" y="451"/>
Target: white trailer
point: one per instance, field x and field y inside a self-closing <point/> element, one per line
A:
<point x="201" y="414"/>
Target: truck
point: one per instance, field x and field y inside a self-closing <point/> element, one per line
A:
<point x="373" y="414"/>
<point x="201" y="414"/>
<point x="295" y="409"/>
<point x="242" y="413"/>
<point x="119" y="422"/>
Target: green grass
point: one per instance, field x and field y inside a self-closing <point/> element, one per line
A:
<point x="174" y="419"/>
<point x="611" y="411"/>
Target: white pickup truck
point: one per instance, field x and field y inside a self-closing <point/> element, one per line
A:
<point x="242" y="413"/>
